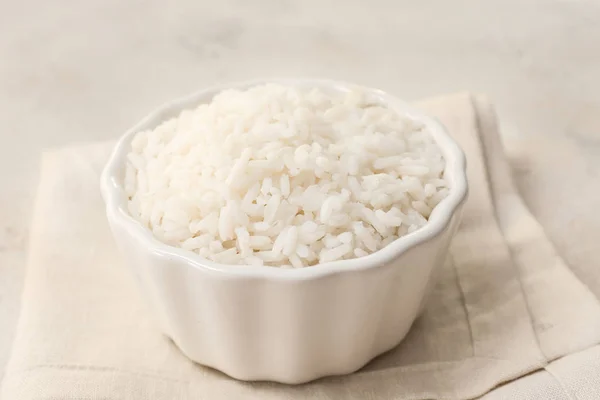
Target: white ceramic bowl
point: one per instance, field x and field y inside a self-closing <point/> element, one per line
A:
<point x="285" y="325"/>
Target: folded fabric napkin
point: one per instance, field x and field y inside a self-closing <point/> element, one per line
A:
<point x="505" y="303"/>
<point x="573" y="377"/>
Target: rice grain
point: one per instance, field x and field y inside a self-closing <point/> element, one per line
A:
<point x="282" y="176"/>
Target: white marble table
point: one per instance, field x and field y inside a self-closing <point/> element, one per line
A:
<point x="81" y="71"/>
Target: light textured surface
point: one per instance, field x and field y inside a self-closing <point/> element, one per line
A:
<point x="77" y="71"/>
<point x="506" y="305"/>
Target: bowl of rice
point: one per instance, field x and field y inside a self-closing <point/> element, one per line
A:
<point x="285" y="230"/>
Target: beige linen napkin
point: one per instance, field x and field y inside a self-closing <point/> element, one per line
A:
<point x="505" y="303"/>
<point x="573" y="377"/>
<point x="558" y="178"/>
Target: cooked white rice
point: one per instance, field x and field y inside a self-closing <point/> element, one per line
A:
<point x="286" y="177"/>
